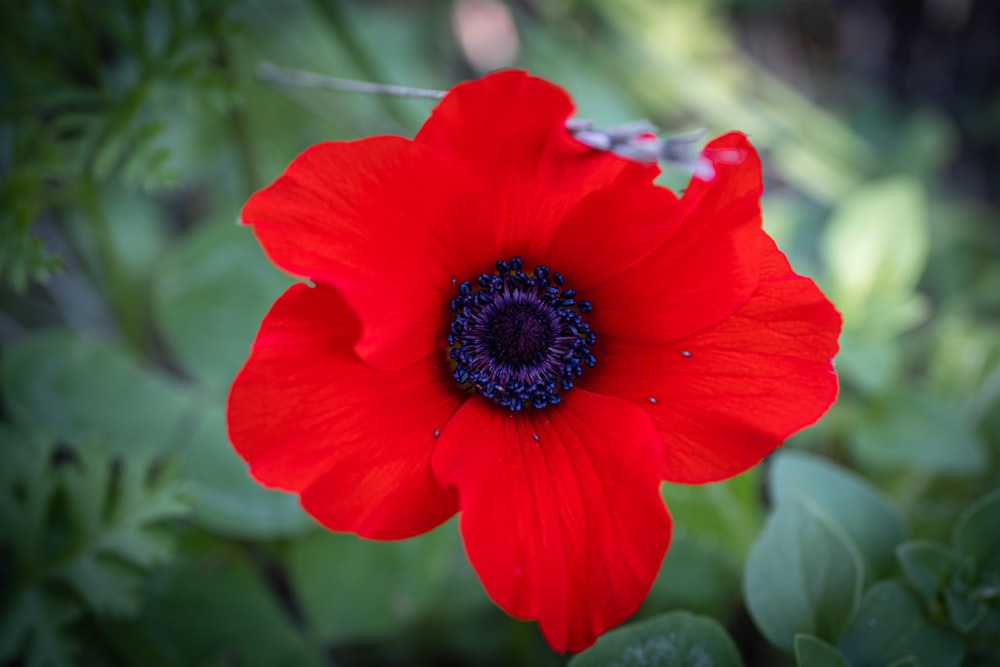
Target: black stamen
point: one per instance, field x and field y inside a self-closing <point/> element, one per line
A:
<point x="518" y="340"/>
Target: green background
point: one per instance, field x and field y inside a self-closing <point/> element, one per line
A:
<point x="132" y="133"/>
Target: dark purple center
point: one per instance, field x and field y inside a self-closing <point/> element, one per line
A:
<point x="517" y="338"/>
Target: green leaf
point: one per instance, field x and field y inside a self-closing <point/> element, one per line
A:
<point x="85" y="390"/>
<point x="209" y="297"/>
<point x="908" y="661"/>
<point x="964" y="610"/>
<point x="677" y="639"/>
<point x="814" y="652"/>
<point x="714" y="526"/>
<point x="848" y="501"/>
<point x="212" y="608"/>
<point x="34" y="628"/>
<point x="977" y="533"/>
<point x="725" y="514"/>
<point x="891" y="624"/>
<point x="697" y="575"/>
<point x="27" y="487"/>
<point x="870" y="366"/>
<point x="875" y="247"/>
<point x="115" y="519"/>
<point x="983" y="650"/>
<point x="224" y="496"/>
<point x="106" y="587"/>
<point x="928" y="565"/>
<point x="802" y="576"/>
<point x="907" y="429"/>
<point x="358" y="590"/>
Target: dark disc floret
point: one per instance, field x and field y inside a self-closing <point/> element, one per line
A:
<point x="519" y="338"/>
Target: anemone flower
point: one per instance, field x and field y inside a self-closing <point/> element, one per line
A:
<point x="504" y="322"/>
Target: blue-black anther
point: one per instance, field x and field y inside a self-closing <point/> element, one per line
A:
<point x="517" y="339"/>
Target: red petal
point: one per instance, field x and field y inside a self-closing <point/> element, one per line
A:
<point x="707" y="261"/>
<point x="355" y="442"/>
<point x="386" y="222"/>
<point x="509" y="129"/>
<point x="609" y="232"/>
<point x="568" y="529"/>
<point x="749" y="382"/>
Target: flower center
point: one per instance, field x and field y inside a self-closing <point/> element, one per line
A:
<point x="519" y="339"/>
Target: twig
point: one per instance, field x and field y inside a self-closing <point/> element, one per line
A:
<point x="284" y="76"/>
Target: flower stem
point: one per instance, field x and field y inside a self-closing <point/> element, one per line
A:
<point x="284" y="76"/>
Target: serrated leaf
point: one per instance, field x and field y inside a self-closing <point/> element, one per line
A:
<point x="802" y="576"/>
<point x="27" y="487"/>
<point x="891" y="625"/>
<point x="814" y="652"/>
<point x="977" y="533"/>
<point x="115" y="521"/>
<point x="677" y="639"/>
<point x="33" y="628"/>
<point x="106" y="587"/>
<point x="928" y="565"/>
<point x="141" y="548"/>
<point x="859" y="509"/>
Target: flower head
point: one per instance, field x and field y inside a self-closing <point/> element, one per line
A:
<point x="508" y="323"/>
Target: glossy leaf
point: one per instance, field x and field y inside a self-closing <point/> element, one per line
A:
<point x="855" y="506"/>
<point x="802" y="576"/>
<point x="891" y="624"/>
<point x="677" y="639"/>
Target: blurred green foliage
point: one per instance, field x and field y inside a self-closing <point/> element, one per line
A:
<point x="131" y="132"/>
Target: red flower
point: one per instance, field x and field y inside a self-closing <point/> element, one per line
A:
<point x="433" y="369"/>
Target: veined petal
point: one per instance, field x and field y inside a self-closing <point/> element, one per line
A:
<point x="310" y="417"/>
<point x="509" y="128"/>
<point x="706" y="261"/>
<point x="389" y="223"/>
<point x="727" y="396"/>
<point x="609" y="232"/>
<point x="560" y="509"/>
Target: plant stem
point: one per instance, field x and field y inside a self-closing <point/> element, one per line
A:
<point x="284" y="76"/>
